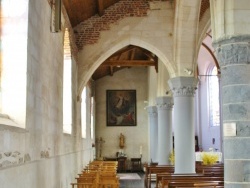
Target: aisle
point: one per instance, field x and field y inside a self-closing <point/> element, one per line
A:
<point x="133" y="182"/>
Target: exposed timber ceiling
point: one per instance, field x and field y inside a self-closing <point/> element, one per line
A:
<point x="81" y="10"/>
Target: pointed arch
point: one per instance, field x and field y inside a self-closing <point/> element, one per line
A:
<point x="100" y="56"/>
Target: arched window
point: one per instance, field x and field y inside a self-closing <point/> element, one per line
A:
<point x="67" y="86"/>
<point x="92" y="117"/>
<point x="13" y="61"/>
<point x="213" y="94"/>
<point x="84" y="112"/>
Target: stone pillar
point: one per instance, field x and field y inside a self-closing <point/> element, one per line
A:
<point x="153" y="137"/>
<point x="234" y="58"/>
<point x="183" y="89"/>
<point x="165" y="141"/>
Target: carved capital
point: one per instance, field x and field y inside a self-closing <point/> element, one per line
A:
<point x="234" y="53"/>
<point x="183" y="86"/>
<point x="164" y="103"/>
<point x="187" y="91"/>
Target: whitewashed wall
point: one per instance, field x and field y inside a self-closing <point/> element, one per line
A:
<point x="135" y="136"/>
<point x="40" y="155"/>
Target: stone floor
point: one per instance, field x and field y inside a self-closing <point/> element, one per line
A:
<point x="134" y="183"/>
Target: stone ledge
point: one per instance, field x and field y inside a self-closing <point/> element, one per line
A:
<point x="8" y="124"/>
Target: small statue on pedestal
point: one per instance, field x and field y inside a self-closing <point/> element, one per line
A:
<point x="122" y="141"/>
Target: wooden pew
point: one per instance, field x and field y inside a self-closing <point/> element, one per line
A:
<point x="83" y="185"/>
<point x="151" y="172"/>
<point x="207" y="184"/>
<point x="211" y="170"/>
<point x="166" y="180"/>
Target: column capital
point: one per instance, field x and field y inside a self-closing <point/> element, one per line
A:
<point x="164" y="103"/>
<point x="235" y="50"/>
<point x="183" y="86"/>
<point x="152" y="111"/>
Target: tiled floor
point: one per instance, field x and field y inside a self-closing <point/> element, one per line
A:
<point x="134" y="183"/>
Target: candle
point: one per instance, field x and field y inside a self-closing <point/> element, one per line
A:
<point x="140" y="150"/>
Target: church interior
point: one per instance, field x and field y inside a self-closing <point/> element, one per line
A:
<point x="131" y="81"/>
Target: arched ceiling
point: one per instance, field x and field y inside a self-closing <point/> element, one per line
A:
<point x="81" y="10"/>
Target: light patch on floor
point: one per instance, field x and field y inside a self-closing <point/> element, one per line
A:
<point x="128" y="176"/>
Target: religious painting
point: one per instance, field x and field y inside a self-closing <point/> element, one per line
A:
<point x="121" y="107"/>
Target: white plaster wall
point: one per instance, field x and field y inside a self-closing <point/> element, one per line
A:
<point x="135" y="136"/>
<point x="41" y="155"/>
<point x="206" y="132"/>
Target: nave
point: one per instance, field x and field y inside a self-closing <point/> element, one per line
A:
<point x="104" y="174"/>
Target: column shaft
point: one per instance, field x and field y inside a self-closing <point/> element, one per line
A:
<point x="153" y="133"/>
<point x="165" y="143"/>
<point x="184" y="142"/>
<point x="234" y="57"/>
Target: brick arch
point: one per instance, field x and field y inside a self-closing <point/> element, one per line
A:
<point x="101" y="56"/>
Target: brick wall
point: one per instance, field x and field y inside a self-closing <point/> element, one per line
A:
<point x="88" y="32"/>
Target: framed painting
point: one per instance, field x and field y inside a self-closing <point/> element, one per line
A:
<point x="121" y="107"/>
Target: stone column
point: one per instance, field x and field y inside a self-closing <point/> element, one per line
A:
<point x="165" y="141"/>
<point x="234" y="58"/>
<point x="153" y="137"/>
<point x="183" y="89"/>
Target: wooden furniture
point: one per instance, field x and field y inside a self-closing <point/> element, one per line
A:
<point x="212" y="174"/>
<point x="194" y="184"/>
<point x="152" y="171"/>
<point x="98" y="174"/>
<point x="135" y="164"/>
<point x="188" y="178"/>
<point x="122" y="164"/>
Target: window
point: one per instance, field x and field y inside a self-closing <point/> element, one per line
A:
<point x="67" y="86"/>
<point x="83" y="112"/>
<point x="213" y="93"/>
<point x="92" y="117"/>
<point x="13" y="40"/>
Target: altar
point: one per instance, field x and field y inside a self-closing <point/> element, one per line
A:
<point x="198" y="155"/>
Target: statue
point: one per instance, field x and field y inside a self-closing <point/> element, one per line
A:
<point x="122" y="141"/>
<point x="99" y="143"/>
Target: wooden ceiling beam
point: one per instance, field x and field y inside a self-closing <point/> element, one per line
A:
<point x="132" y="54"/>
<point x="147" y="53"/>
<point x="129" y="63"/>
<point x="100" y="6"/>
<point x="156" y="63"/>
<point x="111" y="69"/>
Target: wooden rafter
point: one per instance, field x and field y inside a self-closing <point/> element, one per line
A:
<point x="100" y="7"/>
<point x="111" y="68"/>
<point x="129" y="63"/>
<point x="127" y="57"/>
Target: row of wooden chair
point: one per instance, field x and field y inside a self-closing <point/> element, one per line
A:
<point x="164" y="176"/>
<point x="98" y="174"/>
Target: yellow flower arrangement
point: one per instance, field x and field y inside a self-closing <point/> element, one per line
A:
<point x="171" y="157"/>
<point x="209" y="158"/>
